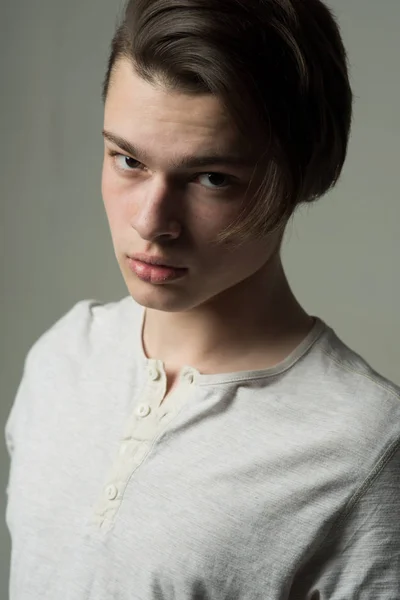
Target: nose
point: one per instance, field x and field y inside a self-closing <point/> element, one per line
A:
<point x="155" y="209"/>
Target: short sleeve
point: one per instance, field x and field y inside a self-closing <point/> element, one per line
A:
<point x="360" y="560"/>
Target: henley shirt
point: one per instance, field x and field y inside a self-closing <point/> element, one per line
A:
<point x="274" y="484"/>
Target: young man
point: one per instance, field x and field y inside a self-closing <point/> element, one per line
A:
<point x="205" y="437"/>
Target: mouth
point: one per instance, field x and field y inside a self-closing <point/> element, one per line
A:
<point x="155" y="272"/>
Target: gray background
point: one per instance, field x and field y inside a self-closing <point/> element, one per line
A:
<point x="341" y="255"/>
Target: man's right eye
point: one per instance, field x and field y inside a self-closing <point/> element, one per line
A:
<point x="125" y="163"/>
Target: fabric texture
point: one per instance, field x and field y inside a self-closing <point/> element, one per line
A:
<point x="280" y="484"/>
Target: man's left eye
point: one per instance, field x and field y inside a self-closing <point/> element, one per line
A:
<point x="214" y="180"/>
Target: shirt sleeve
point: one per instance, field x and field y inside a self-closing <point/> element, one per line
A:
<point x="360" y="560"/>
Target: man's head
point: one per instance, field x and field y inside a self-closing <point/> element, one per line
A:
<point x="264" y="82"/>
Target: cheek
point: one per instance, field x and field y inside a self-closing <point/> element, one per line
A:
<point x="232" y="265"/>
<point x="108" y="188"/>
<point x="111" y="194"/>
<point x="205" y="220"/>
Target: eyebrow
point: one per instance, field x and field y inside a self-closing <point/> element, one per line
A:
<point x="184" y="162"/>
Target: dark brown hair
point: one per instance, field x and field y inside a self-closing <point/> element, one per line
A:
<point x="280" y="68"/>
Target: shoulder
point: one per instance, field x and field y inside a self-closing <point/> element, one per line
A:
<point x="59" y="356"/>
<point x="352" y="374"/>
<point x="354" y="398"/>
<point x="87" y="326"/>
<point x="353" y="407"/>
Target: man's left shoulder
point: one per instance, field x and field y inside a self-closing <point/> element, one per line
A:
<point x="351" y="397"/>
<point x="355" y="376"/>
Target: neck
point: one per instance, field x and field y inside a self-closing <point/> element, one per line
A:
<point x="252" y="326"/>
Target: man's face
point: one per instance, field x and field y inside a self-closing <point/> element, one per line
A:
<point x="174" y="175"/>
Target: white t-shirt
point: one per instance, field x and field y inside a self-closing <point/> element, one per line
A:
<point x="256" y="485"/>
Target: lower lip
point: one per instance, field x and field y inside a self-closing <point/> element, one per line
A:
<point x="154" y="273"/>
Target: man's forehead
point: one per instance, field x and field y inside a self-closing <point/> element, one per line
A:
<point x="130" y="92"/>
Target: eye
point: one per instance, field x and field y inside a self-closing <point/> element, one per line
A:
<point x="125" y="163"/>
<point x="214" y="181"/>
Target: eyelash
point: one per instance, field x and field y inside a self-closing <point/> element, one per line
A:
<point x="114" y="155"/>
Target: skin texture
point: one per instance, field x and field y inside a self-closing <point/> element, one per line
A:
<point x="234" y="309"/>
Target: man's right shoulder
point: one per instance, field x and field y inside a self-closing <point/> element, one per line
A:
<point x="82" y="330"/>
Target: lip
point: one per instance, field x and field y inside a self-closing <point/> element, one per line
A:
<point x="155" y="273"/>
<point x="155" y="260"/>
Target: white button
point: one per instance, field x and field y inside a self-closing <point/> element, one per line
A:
<point x="189" y="377"/>
<point x="143" y="411"/>
<point x="154" y="373"/>
<point x="112" y="492"/>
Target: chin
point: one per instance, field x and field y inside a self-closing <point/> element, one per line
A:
<point x="167" y="298"/>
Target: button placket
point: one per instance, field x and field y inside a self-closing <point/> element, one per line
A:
<point x="141" y="429"/>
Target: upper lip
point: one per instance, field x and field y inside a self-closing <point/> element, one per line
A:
<point x="155" y="260"/>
